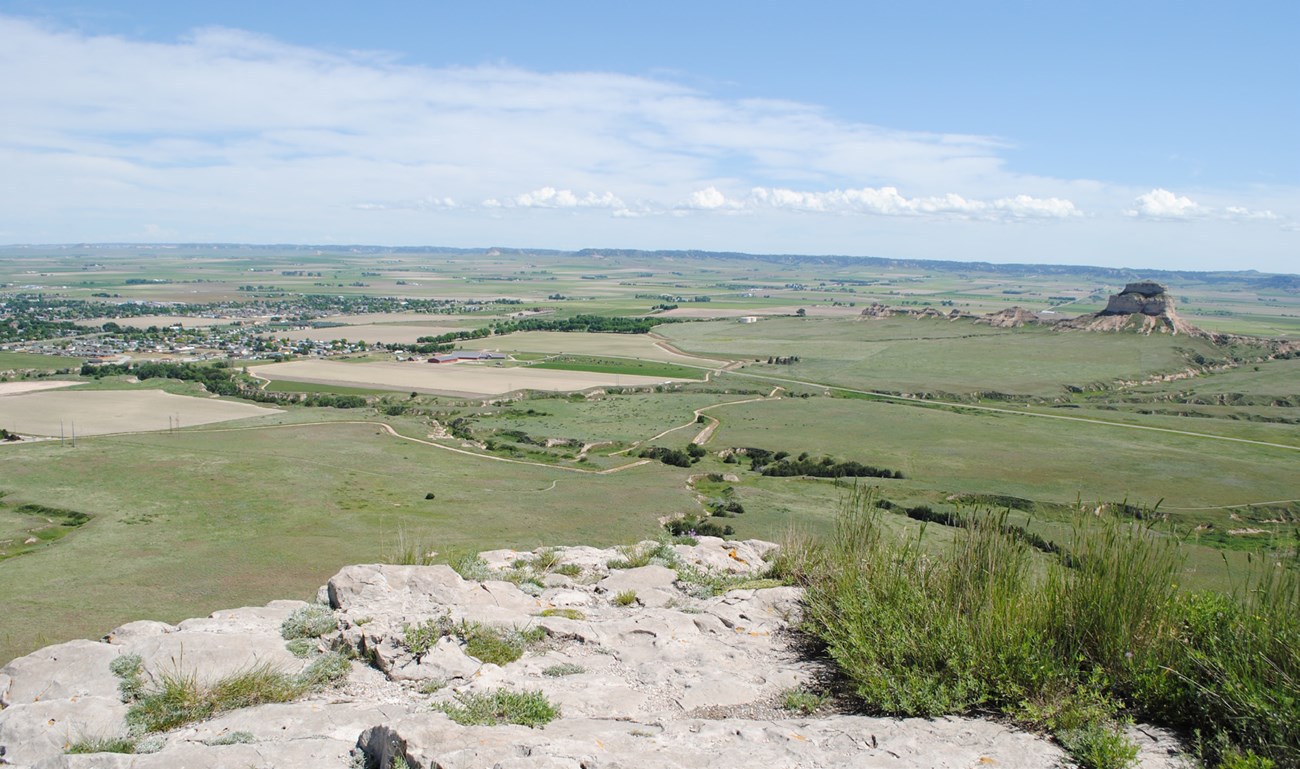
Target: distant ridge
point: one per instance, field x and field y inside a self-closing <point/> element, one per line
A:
<point x="1285" y="281"/>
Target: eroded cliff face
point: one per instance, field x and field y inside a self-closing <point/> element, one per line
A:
<point x="647" y="668"/>
<point x="1142" y="298"/>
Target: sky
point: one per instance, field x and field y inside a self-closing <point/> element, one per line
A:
<point x="1151" y="134"/>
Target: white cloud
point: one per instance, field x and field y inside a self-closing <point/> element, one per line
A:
<point x="888" y="201"/>
<point x="550" y="197"/>
<point x="1245" y="214"/>
<point x="1163" y="204"/>
<point x="709" y="199"/>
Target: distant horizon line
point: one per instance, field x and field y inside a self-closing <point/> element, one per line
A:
<point x="629" y="252"/>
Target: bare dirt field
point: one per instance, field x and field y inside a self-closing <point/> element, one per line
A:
<point x="811" y="310"/>
<point x="96" y="412"/>
<point x="17" y="388"/>
<point x="459" y="379"/>
<point x="374" y="334"/>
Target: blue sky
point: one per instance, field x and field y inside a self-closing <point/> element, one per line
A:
<point x="1152" y="134"/>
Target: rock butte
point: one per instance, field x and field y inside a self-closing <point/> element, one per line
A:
<point x="673" y="680"/>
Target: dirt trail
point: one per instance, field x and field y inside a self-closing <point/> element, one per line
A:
<point x="706" y="433"/>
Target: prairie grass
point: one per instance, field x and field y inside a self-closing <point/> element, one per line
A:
<point x="179" y="698"/>
<point x="1075" y="645"/>
<point x="101" y="745"/>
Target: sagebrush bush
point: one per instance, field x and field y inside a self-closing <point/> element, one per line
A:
<point x="312" y="621"/>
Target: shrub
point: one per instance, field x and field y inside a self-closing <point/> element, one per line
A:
<point x="327" y="669"/>
<point x="973" y="630"/>
<point x="129" y="669"/>
<point x="801" y="700"/>
<point x="625" y="598"/>
<point x="419" y="639"/>
<point x="571" y="570"/>
<point x="302" y="648"/>
<point x="563" y="669"/>
<point x="526" y="708"/>
<point x="311" y="621"/>
<point x="1097" y="746"/>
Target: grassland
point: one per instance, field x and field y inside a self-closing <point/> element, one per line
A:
<point x="19" y="361"/>
<point x="190" y="522"/>
<point x="935" y="356"/>
<point x="217" y="516"/>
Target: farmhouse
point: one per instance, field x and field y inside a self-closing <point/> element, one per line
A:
<point x="749" y="319"/>
<point x="462" y="355"/>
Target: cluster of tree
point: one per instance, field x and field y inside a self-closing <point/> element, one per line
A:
<point x="696" y="526"/>
<point x="780" y="464"/>
<point x="220" y="379"/>
<point x="958" y="520"/>
<point x="216" y="378"/>
<point x="5" y="435"/>
<point x="725" y="508"/>
<point x="674" y="457"/>
<point x="583" y="323"/>
<point x="771" y="359"/>
<point x="21" y="328"/>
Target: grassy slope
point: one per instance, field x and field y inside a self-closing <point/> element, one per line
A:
<point x="189" y="523"/>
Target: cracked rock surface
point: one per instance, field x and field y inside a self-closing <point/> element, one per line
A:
<point x="671" y="677"/>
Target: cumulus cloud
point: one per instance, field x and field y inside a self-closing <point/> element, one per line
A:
<point x="1163" y="204"/>
<point x="709" y="199"/>
<point x="550" y="197"/>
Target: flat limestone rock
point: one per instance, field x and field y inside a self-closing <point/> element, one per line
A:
<point x="34" y="731"/>
<point x="681" y="678"/>
<point x="72" y="669"/>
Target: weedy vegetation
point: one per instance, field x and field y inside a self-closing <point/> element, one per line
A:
<point x="526" y="708"/>
<point x="1075" y="645"/>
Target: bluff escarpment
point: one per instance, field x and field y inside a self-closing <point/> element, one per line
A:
<point x="645" y="665"/>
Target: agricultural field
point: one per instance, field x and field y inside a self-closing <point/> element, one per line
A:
<point x="470" y="379"/>
<point x="53" y="413"/>
<point x="319" y="453"/>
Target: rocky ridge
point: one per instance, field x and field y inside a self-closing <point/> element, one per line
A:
<point x="647" y="666"/>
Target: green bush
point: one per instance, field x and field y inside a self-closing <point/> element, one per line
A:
<point x="625" y="598"/>
<point x="1101" y="636"/>
<point x="563" y="669"/>
<point x="802" y="701"/>
<point x="526" y="708"/>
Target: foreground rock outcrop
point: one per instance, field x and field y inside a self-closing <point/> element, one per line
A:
<point x="647" y="667"/>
